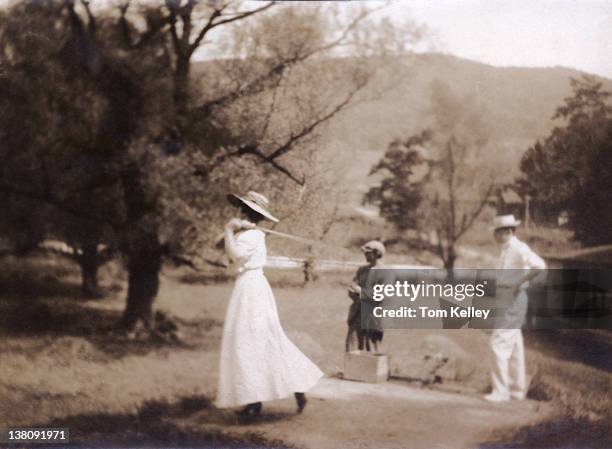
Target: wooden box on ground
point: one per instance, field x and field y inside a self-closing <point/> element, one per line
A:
<point x="366" y="367"/>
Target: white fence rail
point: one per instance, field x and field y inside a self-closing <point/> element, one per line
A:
<point x="327" y="265"/>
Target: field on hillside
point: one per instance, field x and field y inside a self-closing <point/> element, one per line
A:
<point x="61" y="364"/>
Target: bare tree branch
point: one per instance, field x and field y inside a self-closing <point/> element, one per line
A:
<point x="91" y="25"/>
<point x="256" y="86"/>
<point x="276" y="165"/>
<point x="260" y="83"/>
<point x="264" y="132"/>
<point x="185" y="15"/>
<point x="172" y="20"/>
<point x="286" y="147"/>
<point x="75" y="20"/>
<point x="244" y="15"/>
<point x="242" y="151"/>
<point x="123" y="23"/>
<point x="450" y="235"/>
<point x="351" y="26"/>
<point x="206" y="28"/>
<point x="472" y="217"/>
<point x="155" y="24"/>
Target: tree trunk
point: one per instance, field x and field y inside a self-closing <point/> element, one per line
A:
<point x="143" y="250"/>
<point x="451" y="256"/>
<point x="181" y="84"/>
<point x="89" y="262"/>
<point x="144" y="265"/>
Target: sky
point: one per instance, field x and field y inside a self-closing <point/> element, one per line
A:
<point x="526" y="33"/>
<point x="536" y="33"/>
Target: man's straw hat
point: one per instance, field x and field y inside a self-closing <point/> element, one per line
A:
<point x="504" y="221"/>
<point x="256" y="201"/>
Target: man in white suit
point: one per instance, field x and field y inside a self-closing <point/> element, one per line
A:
<point x="508" y="370"/>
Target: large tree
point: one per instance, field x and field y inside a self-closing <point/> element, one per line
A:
<point x="119" y="133"/>
<point x="572" y="168"/>
<point x="53" y="129"/>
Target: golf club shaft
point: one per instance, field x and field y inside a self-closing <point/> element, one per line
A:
<point x="288" y="236"/>
<point x="279" y="234"/>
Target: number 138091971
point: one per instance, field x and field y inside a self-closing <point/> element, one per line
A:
<point x="31" y="435"/>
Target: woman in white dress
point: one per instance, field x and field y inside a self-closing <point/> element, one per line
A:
<point x="258" y="361"/>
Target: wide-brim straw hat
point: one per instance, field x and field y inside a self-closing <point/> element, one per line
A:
<point x="256" y="201"/>
<point x="504" y="221"/>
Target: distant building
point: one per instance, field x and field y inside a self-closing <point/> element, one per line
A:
<point x="508" y="201"/>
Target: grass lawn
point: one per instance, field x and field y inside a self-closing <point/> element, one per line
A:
<point x="61" y="366"/>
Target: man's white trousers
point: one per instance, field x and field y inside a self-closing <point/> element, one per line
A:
<point x="508" y="370"/>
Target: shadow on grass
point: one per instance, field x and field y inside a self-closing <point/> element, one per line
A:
<point x="52" y="318"/>
<point x="32" y="316"/>
<point x="205" y="278"/>
<point x="559" y="433"/>
<point x="22" y="286"/>
<point x="42" y="297"/>
<point x="591" y="348"/>
<point x="158" y="424"/>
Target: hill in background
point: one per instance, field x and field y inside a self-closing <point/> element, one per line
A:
<point x="518" y="104"/>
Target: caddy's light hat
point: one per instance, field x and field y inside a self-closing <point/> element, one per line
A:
<point x="256" y="201"/>
<point x="505" y="221"/>
<point x="374" y="245"/>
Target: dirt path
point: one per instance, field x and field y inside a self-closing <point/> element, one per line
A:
<point x="344" y="414"/>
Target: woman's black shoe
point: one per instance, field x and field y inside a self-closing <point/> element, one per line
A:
<point x="300" y="399"/>
<point x="253" y="409"/>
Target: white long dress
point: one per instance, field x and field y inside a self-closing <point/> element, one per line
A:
<point x="258" y="361"/>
